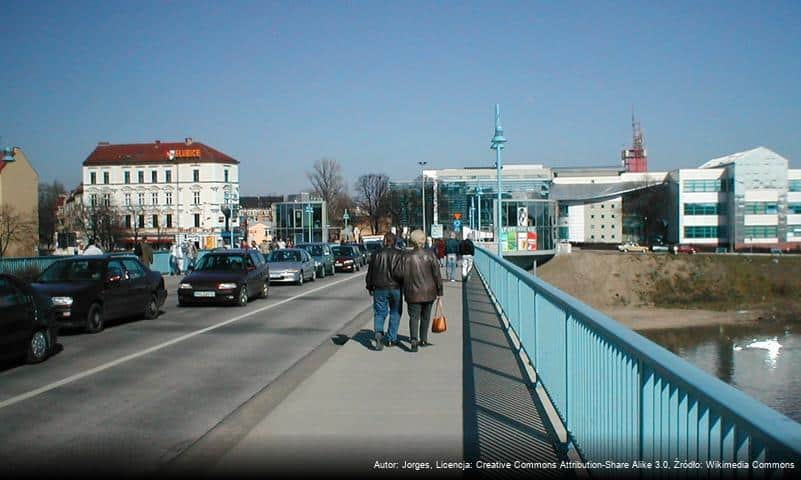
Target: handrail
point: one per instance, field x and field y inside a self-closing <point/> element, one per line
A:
<point x="662" y="406"/>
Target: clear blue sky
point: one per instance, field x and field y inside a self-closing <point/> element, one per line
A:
<point x="382" y="85"/>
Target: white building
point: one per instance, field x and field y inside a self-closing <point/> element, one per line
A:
<point x="743" y="200"/>
<point x="164" y="189"/>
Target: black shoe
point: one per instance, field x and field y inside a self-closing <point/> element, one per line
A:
<point x="414" y="346"/>
<point x="425" y="343"/>
<point x="390" y="343"/>
<point x="379" y="341"/>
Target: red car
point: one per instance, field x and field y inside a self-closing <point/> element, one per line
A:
<point x="684" y="249"/>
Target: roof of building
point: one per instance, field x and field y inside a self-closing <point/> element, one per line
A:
<point x="259" y="201"/>
<point x="759" y="152"/>
<point x="156" y="152"/>
<point x="592" y="191"/>
<point x="611" y="171"/>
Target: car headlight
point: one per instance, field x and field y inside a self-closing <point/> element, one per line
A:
<point x="292" y="271"/>
<point x="226" y="286"/>
<point x="317" y="264"/>
<point x="185" y="286"/>
<point x="62" y="301"/>
<point x="348" y="261"/>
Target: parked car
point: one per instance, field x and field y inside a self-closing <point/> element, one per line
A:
<point x="230" y="276"/>
<point x="363" y="251"/>
<point x="347" y="258"/>
<point x="374" y="247"/>
<point x="684" y="249"/>
<point x="291" y="265"/>
<point x="86" y="291"/>
<point x="323" y="260"/>
<point x="632" y="247"/>
<point x="659" y="247"/>
<point x="27" y="327"/>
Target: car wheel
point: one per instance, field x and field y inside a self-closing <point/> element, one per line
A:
<point x="333" y="271"/>
<point x="152" y="309"/>
<point x="300" y="278"/>
<point x="94" y="319"/>
<point x="38" y="347"/>
<point x="322" y="272"/>
<point x="265" y="289"/>
<point x="314" y="275"/>
<point x="243" y="296"/>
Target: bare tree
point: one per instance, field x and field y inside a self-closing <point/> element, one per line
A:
<point x="48" y="198"/>
<point x="327" y="182"/>
<point x="15" y="227"/>
<point x="372" y="190"/>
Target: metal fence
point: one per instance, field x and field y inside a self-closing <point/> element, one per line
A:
<point x="624" y="398"/>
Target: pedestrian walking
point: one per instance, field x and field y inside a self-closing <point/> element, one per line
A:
<point x="467" y="250"/>
<point x="451" y="253"/>
<point x="264" y="248"/>
<point x="191" y="253"/>
<point x="439" y="246"/>
<point x="147" y="254"/>
<point x="176" y="258"/>
<point x="421" y="285"/>
<point x="383" y="283"/>
<point x="92" y="249"/>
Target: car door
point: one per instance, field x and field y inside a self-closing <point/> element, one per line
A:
<point x="116" y="290"/>
<point x="262" y="273"/>
<point x="252" y="274"/>
<point x="14" y="322"/>
<point x="139" y="288"/>
<point x="309" y="261"/>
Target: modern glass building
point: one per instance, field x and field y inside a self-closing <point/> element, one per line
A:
<point x="301" y="221"/>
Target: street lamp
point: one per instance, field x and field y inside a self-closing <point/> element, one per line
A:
<point x="479" y="192"/>
<point x="423" y="181"/>
<point x="497" y="144"/>
<point x="472" y="213"/>
<point x="8" y="154"/>
<point x="309" y="212"/>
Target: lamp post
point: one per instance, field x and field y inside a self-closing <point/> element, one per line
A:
<point x="423" y="181"/>
<point x="472" y="213"/>
<point x="479" y="192"/>
<point x="309" y="212"/>
<point x="497" y="144"/>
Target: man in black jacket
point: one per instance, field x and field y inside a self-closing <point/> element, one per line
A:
<point x="383" y="284"/>
<point x="467" y="250"/>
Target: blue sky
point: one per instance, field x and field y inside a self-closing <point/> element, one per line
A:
<point x="380" y="86"/>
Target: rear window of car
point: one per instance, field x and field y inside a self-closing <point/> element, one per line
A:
<point x="285" y="256"/>
<point x="72" y="271"/>
<point x="342" y="251"/>
<point x="316" y="250"/>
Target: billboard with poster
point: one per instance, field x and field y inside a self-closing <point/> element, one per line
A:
<point x="519" y="239"/>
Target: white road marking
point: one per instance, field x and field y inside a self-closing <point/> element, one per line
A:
<point x="106" y="366"/>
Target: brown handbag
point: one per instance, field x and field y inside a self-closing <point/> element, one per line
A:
<point x="440" y="323"/>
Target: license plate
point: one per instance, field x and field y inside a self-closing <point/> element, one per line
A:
<point x="272" y="275"/>
<point x="338" y="264"/>
<point x="204" y="294"/>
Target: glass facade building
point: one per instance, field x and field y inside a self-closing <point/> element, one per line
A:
<point x="294" y="222"/>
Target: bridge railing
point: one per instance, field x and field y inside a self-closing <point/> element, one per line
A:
<point x="620" y="396"/>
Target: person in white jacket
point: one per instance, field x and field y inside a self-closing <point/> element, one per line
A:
<point x="176" y="258"/>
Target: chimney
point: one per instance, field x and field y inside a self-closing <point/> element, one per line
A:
<point x="188" y="140"/>
<point x="158" y="142"/>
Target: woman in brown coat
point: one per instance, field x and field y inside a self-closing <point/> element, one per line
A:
<point x="422" y="284"/>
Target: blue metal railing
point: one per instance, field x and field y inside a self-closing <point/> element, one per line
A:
<point x="621" y="396"/>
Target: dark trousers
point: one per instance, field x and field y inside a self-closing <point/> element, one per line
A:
<point x="419" y="320"/>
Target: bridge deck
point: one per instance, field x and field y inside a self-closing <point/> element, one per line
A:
<point x="464" y="398"/>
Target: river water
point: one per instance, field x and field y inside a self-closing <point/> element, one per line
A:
<point x="762" y="361"/>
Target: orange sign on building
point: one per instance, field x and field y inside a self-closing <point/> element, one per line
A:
<point x="188" y="153"/>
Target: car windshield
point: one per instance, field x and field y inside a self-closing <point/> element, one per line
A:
<point x="72" y="271"/>
<point x="373" y="246"/>
<point x="221" y="263"/>
<point x="342" y="251"/>
<point x="315" y="250"/>
<point x="285" y="256"/>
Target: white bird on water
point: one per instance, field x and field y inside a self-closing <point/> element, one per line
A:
<point x="771" y="345"/>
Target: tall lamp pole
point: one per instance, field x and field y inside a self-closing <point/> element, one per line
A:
<point x="478" y="194"/>
<point x="423" y="181"/>
<point x="309" y="212"/>
<point x="497" y="144"/>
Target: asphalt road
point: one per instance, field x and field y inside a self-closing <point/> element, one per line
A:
<point x="133" y="397"/>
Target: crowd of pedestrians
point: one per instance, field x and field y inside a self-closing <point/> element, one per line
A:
<point x="395" y="275"/>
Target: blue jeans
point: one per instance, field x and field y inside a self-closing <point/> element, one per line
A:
<point x="450" y="265"/>
<point x="387" y="302"/>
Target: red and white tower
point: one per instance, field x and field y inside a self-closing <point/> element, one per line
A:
<point x="635" y="159"/>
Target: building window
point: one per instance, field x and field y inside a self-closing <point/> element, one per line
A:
<point x="92" y="178"/>
<point x="603" y="226"/>
<point x="154" y="176"/>
<point x="127" y="199"/>
<point x="602" y="205"/>
<point x="168" y="176"/>
<point x="694" y="186"/>
<point x="592" y="237"/>
<point x="197" y="220"/>
<point x="613" y="215"/>
<point x="794" y="208"/>
<point x="107" y="199"/>
<point x="141" y="197"/>
<point x="141" y="221"/>
<point x="613" y="205"/>
<point x="93" y="200"/>
<point x="603" y="237"/>
<point x="226" y="176"/>
<point x="613" y="235"/>
<point x="155" y="198"/>
<point x="155" y="221"/>
<point x="794" y="186"/>
<point x="704" y="232"/>
<point x="169" y="220"/>
<point x="761" y="208"/>
<point x="564" y="210"/>
<point x="702" y="208"/>
<point x="760" y="231"/>
<point x="196" y="198"/>
<point x="592" y="227"/>
<point x="141" y="175"/>
<point x="127" y="176"/>
<point x="105" y="178"/>
<point x="591" y="216"/>
<point x="127" y="221"/>
<point x="195" y="175"/>
<point x="603" y="216"/>
<point x="168" y="198"/>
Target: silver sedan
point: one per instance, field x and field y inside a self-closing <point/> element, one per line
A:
<point x="293" y="265"/>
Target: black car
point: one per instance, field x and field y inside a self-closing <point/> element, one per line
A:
<point x="26" y="322"/>
<point x="227" y="276"/>
<point x="347" y="258"/>
<point x="366" y="254"/>
<point x="373" y="247"/>
<point x="86" y="291"/>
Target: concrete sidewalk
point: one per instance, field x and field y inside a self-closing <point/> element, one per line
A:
<point x="363" y="408"/>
